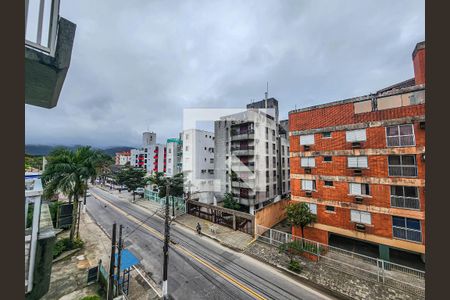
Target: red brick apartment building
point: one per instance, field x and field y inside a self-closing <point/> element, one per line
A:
<point x="359" y="164"/>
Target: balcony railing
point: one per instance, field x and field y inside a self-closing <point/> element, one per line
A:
<point x="403" y="171"/>
<point x="407" y="234"/>
<point x="41" y="24"/>
<point x="405" y="202"/>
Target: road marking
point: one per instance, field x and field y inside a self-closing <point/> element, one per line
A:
<point x="187" y="252"/>
<point x="145" y="279"/>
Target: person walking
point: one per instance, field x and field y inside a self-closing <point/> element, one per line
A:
<point x="199" y="228"/>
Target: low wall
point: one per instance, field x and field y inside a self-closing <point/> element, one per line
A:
<point x="271" y="214"/>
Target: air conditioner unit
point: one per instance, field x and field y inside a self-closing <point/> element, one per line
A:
<point x="357" y="172"/>
<point x="308" y="193"/>
<point x="422" y="125"/>
<point x="307" y="170"/>
<point x="306" y="148"/>
<point x="360" y="227"/>
<point x="359" y="199"/>
<point x="356" y="145"/>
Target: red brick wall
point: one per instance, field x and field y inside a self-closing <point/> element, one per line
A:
<point x="311" y="233"/>
<point x="343" y="114"/>
<point x="376" y="139"/>
<point x="419" y="67"/>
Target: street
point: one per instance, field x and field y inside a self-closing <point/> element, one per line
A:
<point x="199" y="268"/>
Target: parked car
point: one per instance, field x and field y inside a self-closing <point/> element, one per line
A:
<point x="139" y="191"/>
<point x="88" y="194"/>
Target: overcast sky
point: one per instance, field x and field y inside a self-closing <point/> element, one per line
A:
<point x="137" y="64"/>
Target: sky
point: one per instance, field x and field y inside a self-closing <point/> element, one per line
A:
<point x="137" y="64"/>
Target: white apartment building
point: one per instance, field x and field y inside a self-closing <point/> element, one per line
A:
<point x="151" y="156"/>
<point x="198" y="164"/>
<point x="122" y="158"/>
<point x="174" y="157"/>
<point x="252" y="156"/>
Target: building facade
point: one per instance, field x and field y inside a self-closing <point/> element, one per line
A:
<point x="198" y="164"/>
<point x="151" y="156"/>
<point x="174" y="157"/>
<point x="359" y="164"/>
<point x="122" y="158"/>
<point x="252" y="157"/>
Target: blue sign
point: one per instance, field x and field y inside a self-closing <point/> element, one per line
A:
<point x="128" y="260"/>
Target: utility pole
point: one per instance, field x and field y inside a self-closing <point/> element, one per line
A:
<point x="111" y="264"/>
<point x="85" y="195"/>
<point x="173" y="207"/>
<point x="78" y="222"/>
<point x="119" y="259"/>
<point x="166" y="244"/>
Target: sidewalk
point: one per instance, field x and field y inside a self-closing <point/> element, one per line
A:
<point x="69" y="276"/>
<point x="226" y="236"/>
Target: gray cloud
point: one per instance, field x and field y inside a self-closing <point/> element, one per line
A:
<point x="136" y="65"/>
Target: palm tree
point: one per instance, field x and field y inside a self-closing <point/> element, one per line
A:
<point x="67" y="171"/>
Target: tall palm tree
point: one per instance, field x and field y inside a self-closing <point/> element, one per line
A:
<point x="68" y="171"/>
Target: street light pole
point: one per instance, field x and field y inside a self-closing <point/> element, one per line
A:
<point x="166" y="244"/>
<point x="85" y="195"/>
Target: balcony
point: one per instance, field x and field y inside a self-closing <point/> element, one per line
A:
<point x="48" y="49"/>
<point x="249" y="167"/>
<point x="246" y="151"/>
<point x="250" y="135"/>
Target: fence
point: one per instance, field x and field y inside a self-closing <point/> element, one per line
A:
<point x="371" y="268"/>
<point x="180" y="203"/>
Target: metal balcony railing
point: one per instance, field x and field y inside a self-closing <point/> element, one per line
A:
<point x="41" y="24"/>
<point x="405" y="202"/>
<point x="403" y="171"/>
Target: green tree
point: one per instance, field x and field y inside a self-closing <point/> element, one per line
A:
<point x="230" y="202"/>
<point x="299" y="214"/>
<point x="132" y="178"/>
<point x="68" y="171"/>
<point x="176" y="184"/>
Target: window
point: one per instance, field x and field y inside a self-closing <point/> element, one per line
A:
<point x="308" y="185"/>
<point x="267" y="175"/>
<point x="356" y="135"/>
<point x="170" y="150"/>
<point x="274" y="173"/>
<point x="307" y="139"/>
<point x="405" y="197"/>
<point x="187" y="148"/>
<point x="205" y="159"/>
<point x="274" y="188"/>
<point x="326" y="135"/>
<point x="308" y="162"/>
<point x="267" y="148"/>
<point x="186" y="137"/>
<point x="329" y="208"/>
<point x="359" y="189"/>
<point x="357" y="162"/>
<point x="273" y="148"/>
<point x="328" y="183"/>
<point x="327" y="158"/>
<point x="267" y="162"/>
<point x="205" y="148"/>
<point x="169" y="160"/>
<point x="402" y="165"/>
<point x="312" y="207"/>
<point x="211" y="160"/>
<point x="360" y="216"/>
<point x="203" y="171"/>
<point x="400" y="136"/>
<point x="406" y="229"/>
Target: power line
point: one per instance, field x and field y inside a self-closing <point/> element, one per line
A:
<point x="142" y="223"/>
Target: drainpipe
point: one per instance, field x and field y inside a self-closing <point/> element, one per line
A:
<point x="34" y="235"/>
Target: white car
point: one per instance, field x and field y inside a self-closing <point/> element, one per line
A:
<point x="139" y="191"/>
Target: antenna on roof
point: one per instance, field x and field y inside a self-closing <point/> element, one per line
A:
<point x="266" y="94"/>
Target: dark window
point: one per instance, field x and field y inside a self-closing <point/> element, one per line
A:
<point x="406" y="229"/>
<point x="402" y="165"/>
<point x="327" y="158"/>
<point x="329" y="208"/>
<point x="328" y="183"/>
<point x="326" y="134"/>
<point x="405" y="197"/>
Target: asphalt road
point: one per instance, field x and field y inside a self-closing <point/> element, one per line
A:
<point x="199" y="268"/>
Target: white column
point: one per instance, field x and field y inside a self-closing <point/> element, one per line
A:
<point x="34" y="235"/>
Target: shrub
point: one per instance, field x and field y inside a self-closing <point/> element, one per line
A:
<point x="65" y="245"/>
<point x="91" y="297"/>
<point x="294" y="266"/>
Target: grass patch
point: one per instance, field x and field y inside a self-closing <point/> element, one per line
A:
<point x="294" y="266"/>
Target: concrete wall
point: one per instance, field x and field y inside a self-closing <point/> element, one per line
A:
<point x="271" y="214"/>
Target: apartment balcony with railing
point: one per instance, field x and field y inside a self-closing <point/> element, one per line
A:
<point x="48" y="49"/>
<point x="243" y="150"/>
